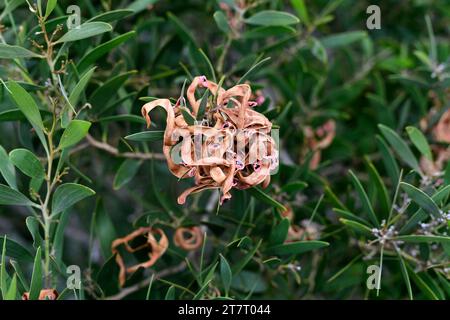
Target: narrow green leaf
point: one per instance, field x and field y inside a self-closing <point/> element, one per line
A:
<point x="222" y="22"/>
<point x="423" y="238"/>
<point x="400" y="147"/>
<point x="7" y="169"/>
<point x="225" y="274"/>
<point x="279" y="233"/>
<point x="15" y="52"/>
<point x="382" y="194"/>
<point x="13" y="197"/>
<point x="33" y="226"/>
<point x="297" y="247"/>
<point x="29" y="108"/>
<point x="112" y="15"/>
<point x="27" y="162"/>
<point x="421" y="198"/>
<point x="11" y="294"/>
<point x="367" y="206"/>
<point x="272" y="18"/>
<point x="36" y="278"/>
<point x="74" y="133"/>
<point x="140" y="5"/>
<point x="302" y="11"/>
<point x="126" y="172"/>
<point x="405" y="275"/>
<point x="86" y="30"/>
<point x="294" y="186"/>
<point x="343" y="39"/>
<point x="104" y="229"/>
<point x="388" y="160"/>
<point x="359" y="227"/>
<point x="419" y="140"/>
<point x="253" y="69"/>
<point x="99" y="51"/>
<point x="260" y="195"/>
<point x="146" y="136"/>
<point x="3" y="286"/>
<point x="51" y="4"/>
<point x="79" y="88"/>
<point x="16" y="251"/>
<point x="66" y="195"/>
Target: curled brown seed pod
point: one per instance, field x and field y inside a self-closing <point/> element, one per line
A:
<point x="188" y="238"/>
<point x="156" y="248"/>
<point x="45" y="294"/>
<point x="229" y="146"/>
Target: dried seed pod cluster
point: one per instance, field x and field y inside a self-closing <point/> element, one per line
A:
<point x="187" y="238"/>
<point x="155" y="247"/>
<point x="223" y="143"/>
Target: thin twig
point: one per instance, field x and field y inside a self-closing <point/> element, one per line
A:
<point x="143" y="284"/>
<point x="114" y="151"/>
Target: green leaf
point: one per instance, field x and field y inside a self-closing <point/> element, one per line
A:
<point x="13" y="197"/>
<point x="388" y="159"/>
<point x="10" y="7"/>
<point x="112" y="15"/>
<point x="99" y="51"/>
<point x="260" y="195"/>
<point x="170" y="295"/>
<point x="279" y="233"/>
<point x="294" y="186"/>
<point x="29" y="108"/>
<point x="140" y="5"/>
<point x="222" y="22"/>
<point x="86" y="30"/>
<point x="146" y="136"/>
<point x="16" y="251"/>
<point x="272" y="18"/>
<point x="422" y="199"/>
<point x="225" y="274"/>
<point x="302" y="12"/>
<point x="268" y="31"/>
<point x="358" y="227"/>
<point x="297" y="247"/>
<point x="343" y="39"/>
<point x="104" y="229"/>
<point x="421" y="143"/>
<point x="3" y="274"/>
<point x="423" y="238"/>
<point x="20" y="275"/>
<point x="74" y="133"/>
<point x="126" y="172"/>
<point x="382" y="194"/>
<point x="27" y="162"/>
<point x="66" y="195"/>
<point x="351" y="216"/>
<point x="36" y="278"/>
<point x="364" y="199"/>
<point x="33" y="226"/>
<point x="101" y="97"/>
<point x="400" y="147"/>
<point x="11" y="294"/>
<point x="237" y="267"/>
<point x="15" y="52"/>
<point x="51" y="4"/>
<point x="26" y="104"/>
<point x="405" y="275"/>
<point x="79" y="88"/>
<point x="7" y="169"/>
<point x="253" y="69"/>
<point x="420" y="214"/>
